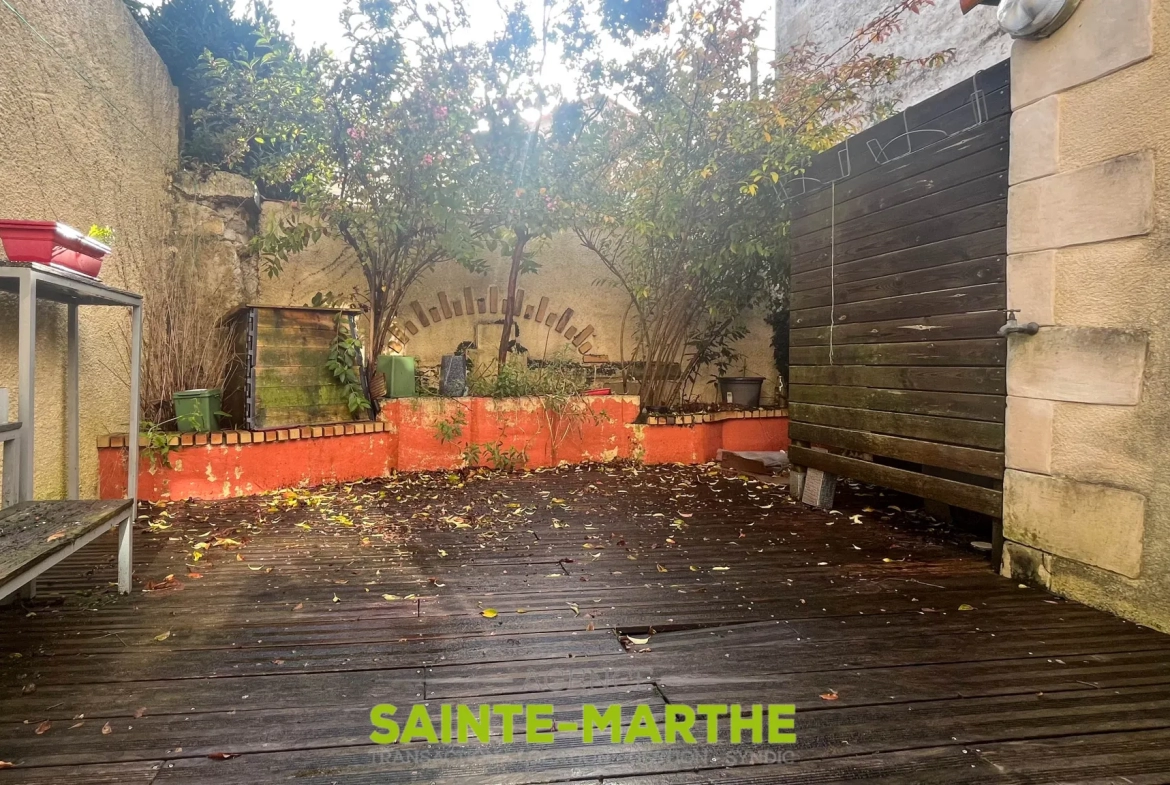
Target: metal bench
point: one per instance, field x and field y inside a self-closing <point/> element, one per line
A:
<point x="37" y="534"/>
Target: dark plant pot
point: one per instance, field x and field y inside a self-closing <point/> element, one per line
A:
<point x="741" y="390"/>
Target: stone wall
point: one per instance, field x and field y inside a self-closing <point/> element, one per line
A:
<point x="89" y="134"/>
<point x="1087" y="501"/>
<point x="976" y="39"/>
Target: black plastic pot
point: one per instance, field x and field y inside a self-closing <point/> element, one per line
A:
<point x="741" y="390"/>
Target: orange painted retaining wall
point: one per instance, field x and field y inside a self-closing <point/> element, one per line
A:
<point x="407" y="438"/>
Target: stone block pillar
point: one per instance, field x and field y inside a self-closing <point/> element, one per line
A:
<point x="1087" y="487"/>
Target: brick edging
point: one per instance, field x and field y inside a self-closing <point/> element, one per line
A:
<point x="706" y="417"/>
<point x="252" y="437"/>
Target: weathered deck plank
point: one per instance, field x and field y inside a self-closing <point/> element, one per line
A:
<point x="275" y="642"/>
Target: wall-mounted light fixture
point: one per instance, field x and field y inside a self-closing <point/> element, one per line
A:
<point x="1034" y="19"/>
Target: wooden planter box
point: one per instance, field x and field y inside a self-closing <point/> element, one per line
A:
<point x="279" y="376"/>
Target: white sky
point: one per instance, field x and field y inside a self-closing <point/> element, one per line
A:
<point x="315" y="22"/>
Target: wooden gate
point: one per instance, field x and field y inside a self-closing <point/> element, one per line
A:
<point x="899" y="253"/>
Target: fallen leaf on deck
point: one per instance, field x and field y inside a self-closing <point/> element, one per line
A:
<point x="391" y="597"/>
<point x="966" y="607"/>
<point x="576" y="608"/>
<point x="223" y="755"/>
<point x="4" y="764"/>
<point x="43" y="728"/>
<point x="298" y="606"/>
<point x="336" y="598"/>
<point x="76" y="725"/>
<point x="661" y="568"/>
<point x="163" y="636"/>
<point x="830" y="696"/>
<point x="107" y="729"/>
<point x="856" y="519"/>
<point x="638" y="641"/>
<point x="195" y="575"/>
<point x="56" y="536"/>
<point x="720" y="569"/>
<point x="140" y="713"/>
<point x="489" y="613"/>
<point x="28" y="689"/>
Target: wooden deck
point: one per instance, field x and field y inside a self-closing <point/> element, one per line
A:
<point x="259" y="662"/>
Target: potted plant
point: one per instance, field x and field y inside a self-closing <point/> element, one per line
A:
<point x="740" y="390"/>
<point x="49" y="242"/>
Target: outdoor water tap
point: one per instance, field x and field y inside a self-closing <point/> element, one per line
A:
<point x="1015" y="328"/>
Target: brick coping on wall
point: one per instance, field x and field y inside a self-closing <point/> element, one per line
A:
<point x="252" y="437"/>
<point x="358" y="428"/>
<point x="702" y="417"/>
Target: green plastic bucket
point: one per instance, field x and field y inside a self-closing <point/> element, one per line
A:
<point x="195" y="410"/>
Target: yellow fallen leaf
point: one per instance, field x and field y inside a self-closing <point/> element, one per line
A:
<point x="391" y="597"/>
<point x="720" y="569"/>
<point x="489" y="613"/>
<point x="966" y="607"/>
<point x="661" y="568"/>
<point x="163" y="636"/>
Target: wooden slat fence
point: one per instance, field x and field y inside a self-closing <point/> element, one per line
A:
<point x="899" y="242"/>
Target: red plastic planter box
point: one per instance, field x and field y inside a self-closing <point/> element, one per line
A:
<point x="49" y="242"/>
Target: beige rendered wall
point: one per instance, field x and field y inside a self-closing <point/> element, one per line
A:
<point x="67" y="155"/>
<point x="1087" y="492"/>
<point x="975" y="38"/>
<point x="570" y="277"/>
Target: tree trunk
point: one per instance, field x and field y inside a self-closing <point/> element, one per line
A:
<point x="513" y="281"/>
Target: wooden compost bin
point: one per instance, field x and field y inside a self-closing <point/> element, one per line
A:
<point x="279" y="378"/>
